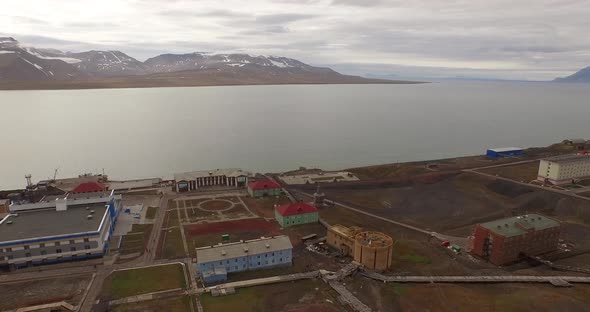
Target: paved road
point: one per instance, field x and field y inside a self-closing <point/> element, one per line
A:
<point x="152" y="245"/>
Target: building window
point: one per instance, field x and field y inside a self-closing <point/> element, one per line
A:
<point x="258" y="262"/>
<point x="57" y="243"/>
<point x="280" y="259"/>
<point x="72" y="241"/>
<point x="26" y="247"/>
<point x="10" y="257"/>
<point x="42" y="245"/>
<point x="87" y="247"/>
<point x="28" y="255"/>
<point x="8" y="249"/>
<point x="236" y="267"/>
<point x="43" y="252"/>
<point x="58" y="250"/>
<point x="72" y="248"/>
<point x="86" y="240"/>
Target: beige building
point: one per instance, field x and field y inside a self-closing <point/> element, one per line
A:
<point x="564" y="169"/>
<point x="374" y="250"/>
<point x="190" y="181"/>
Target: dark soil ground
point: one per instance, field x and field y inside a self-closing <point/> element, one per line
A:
<point x="69" y="289"/>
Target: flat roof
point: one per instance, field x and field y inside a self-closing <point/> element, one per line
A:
<point x="234" y="250"/>
<point x="568" y="158"/>
<point x="230" y="172"/>
<point x="49" y="222"/>
<point x="519" y="225"/>
<point x="505" y="149"/>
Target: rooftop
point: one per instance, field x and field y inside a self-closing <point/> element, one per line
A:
<point x="346" y="231"/>
<point x="49" y="222"/>
<point x="231" y="172"/>
<point x="88" y="187"/>
<point x="505" y="149"/>
<point x="263" y="185"/>
<point x="295" y="209"/>
<point x="520" y="225"/>
<point x="374" y="239"/>
<point x="251" y="247"/>
<point x="568" y="158"/>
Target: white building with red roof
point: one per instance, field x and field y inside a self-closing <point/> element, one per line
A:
<point x="264" y="188"/>
<point x="295" y="214"/>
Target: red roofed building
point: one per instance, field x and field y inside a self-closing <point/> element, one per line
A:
<point x="295" y="214"/>
<point x="89" y="187"/>
<point x="264" y="188"/>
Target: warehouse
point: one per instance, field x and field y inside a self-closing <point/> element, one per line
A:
<point x="264" y="188"/>
<point x="504" y="152"/>
<point x="507" y="240"/>
<point x="215" y="262"/>
<point x="295" y="214"/>
<point x="190" y="181"/>
<point x="374" y="250"/>
<point x="59" y="228"/>
<point x="564" y="169"/>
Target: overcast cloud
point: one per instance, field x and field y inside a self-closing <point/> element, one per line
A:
<point x="525" y="39"/>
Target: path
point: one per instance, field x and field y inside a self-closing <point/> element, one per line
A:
<point x="567" y="193"/>
<point x="554" y="280"/>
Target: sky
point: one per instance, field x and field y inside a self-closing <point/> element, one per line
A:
<point x="497" y="39"/>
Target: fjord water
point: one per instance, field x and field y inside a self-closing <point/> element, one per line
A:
<point x="135" y="133"/>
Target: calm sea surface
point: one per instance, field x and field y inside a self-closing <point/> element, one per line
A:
<point x="136" y="133"/>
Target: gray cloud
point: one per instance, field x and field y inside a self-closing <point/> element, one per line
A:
<point x="535" y="39"/>
<point x="282" y="18"/>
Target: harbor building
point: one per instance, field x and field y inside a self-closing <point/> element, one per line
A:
<point x="564" y="169"/>
<point x="215" y="262"/>
<point x="504" y="152"/>
<point x="509" y="240"/>
<point x="264" y="188"/>
<point x="295" y="214"/>
<point x="58" y="228"/>
<point x="89" y="187"/>
<point x="190" y="181"/>
<point x="372" y="249"/>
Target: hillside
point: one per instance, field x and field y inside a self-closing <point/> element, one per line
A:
<point x="31" y="68"/>
<point x="582" y="75"/>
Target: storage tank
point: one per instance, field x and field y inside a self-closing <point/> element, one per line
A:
<point x="374" y="250"/>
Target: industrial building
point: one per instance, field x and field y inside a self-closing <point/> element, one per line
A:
<point x="215" y="262"/>
<point x="564" y="169"/>
<point x="4" y="204"/>
<point x="264" y="188"/>
<point x="295" y="214"/>
<point x="504" y="152"/>
<point x="508" y="240"/>
<point x="89" y="187"/>
<point x="58" y="228"/>
<point x="190" y="181"/>
<point x="374" y="250"/>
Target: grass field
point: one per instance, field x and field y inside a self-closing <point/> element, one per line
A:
<point x="135" y="241"/>
<point x="121" y="284"/>
<point x="177" y="304"/>
<point x="151" y="212"/>
<point x="301" y="296"/>
<point x="521" y="172"/>
<point x="173" y="246"/>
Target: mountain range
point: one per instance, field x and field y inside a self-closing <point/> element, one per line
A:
<point x="582" y="75"/>
<point x="33" y="68"/>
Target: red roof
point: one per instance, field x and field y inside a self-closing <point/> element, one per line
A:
<point x="263" y="185"/>
<point x="89" y="187"/>
<point x="295" y="209"/>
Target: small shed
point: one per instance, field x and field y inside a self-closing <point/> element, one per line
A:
<point x="504" y="152"/>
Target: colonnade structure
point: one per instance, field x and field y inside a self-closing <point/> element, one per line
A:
<point x="190" y="181"/>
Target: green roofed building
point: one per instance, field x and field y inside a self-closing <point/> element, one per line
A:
<point x="511" y="239"/>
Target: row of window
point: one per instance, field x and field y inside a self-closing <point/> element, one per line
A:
<point x="44" y="252"/>
<point x="42" y="245"/>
